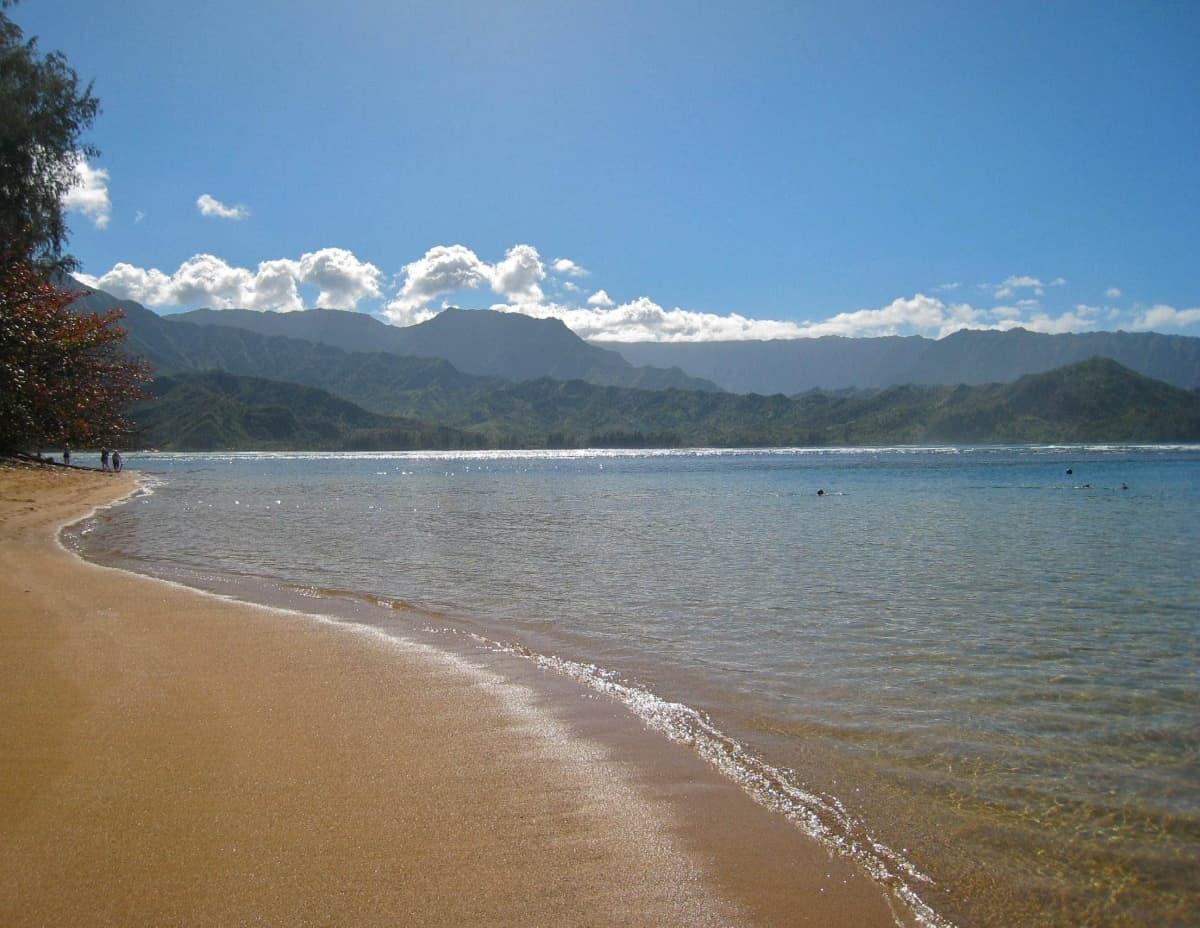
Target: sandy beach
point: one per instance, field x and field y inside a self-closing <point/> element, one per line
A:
<point x="168" y="757"/>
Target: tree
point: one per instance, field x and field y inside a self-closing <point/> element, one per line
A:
<point x="43" y="111"/>
<point x="64" y="377"/>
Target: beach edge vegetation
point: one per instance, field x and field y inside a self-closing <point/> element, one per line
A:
<point x="64" y="378"/>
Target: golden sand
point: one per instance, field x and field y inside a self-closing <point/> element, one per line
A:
<point x="168" y="757"/>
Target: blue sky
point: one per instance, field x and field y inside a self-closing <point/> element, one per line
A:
<point x="718" y="170"/>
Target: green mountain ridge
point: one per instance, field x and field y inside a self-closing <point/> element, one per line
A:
<point x="1096" y="400"/>
<point x="219" y="411"/>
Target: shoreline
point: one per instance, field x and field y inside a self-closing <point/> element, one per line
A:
<point x="178" y="756"/>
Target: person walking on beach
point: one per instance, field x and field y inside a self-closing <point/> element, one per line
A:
<point x="116" y="461"/>
<point x="104" y="459"/>
<point x="66" y="454"/>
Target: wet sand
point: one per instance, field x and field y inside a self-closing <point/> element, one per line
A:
<point x="168" y="757"/>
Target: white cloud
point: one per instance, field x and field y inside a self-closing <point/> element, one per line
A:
<point x="569" y="268"/>
<point x="438" y="277"/>
<point x="341" y="279"/>
<point x="131" y="283"/>
<point x="138" y="217"/>
<point x="951" y="285"/>
<point x="644" y="320"/>
<point x="1113" y="293"/>
<point x="1020" y="282"/>
<point x="1058" y="282"/>
<point x="517" y="277"/>
<point x="1054" y="325"/>
<point x="211" y="206"/>
<point x="920" y="312"/>
<point x="1161" y="316"/>
<point x="90" y="193"/>
<point x="206" y="280"/>
<point x="449" y="268"/>
<point x="442" y="269"/>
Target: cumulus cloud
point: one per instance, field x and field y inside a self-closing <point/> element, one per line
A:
<point x="1161" y="316"/>
<point x="568" y="268"/>
<point x="340" y="278"/>
<point x="211" y="206"/>
<point x="517" y="277"/>
<point x="920" y="312"/>
<point x="442" y="269"/>
<point x="644" y="320"/>
<point x="1113" y="293"/>
<point x="89" y="195"/>
<point x="1055" y="325"/>
<point x="449" y="268"/>
<point x="206" y="280"/>
<point x="342" y="281"/>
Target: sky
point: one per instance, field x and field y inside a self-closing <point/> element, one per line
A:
<point x="646" y="170"/>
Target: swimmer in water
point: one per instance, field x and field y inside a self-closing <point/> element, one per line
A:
<point x="820" y="492"/>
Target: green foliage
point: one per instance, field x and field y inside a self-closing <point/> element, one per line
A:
<point x="1096" y="400"/>
<point x="215" y="410"/>
<point x="43" y="111"/>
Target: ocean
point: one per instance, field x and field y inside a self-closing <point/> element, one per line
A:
<point x="975" y="670"/>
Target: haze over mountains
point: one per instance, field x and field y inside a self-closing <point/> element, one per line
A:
<point x="972" y="356"/>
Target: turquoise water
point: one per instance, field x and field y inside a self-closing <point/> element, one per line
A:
<point x="969" y="668"/>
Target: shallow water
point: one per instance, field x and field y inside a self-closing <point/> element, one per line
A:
<point x="965" y="659"/>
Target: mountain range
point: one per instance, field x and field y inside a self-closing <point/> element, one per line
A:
<point x="490" y="344"/>
<point x="229" y="387"/>
<point x="835" y="362"/>
<point x="1094" y="400"/>
<point x="514" y="347"/>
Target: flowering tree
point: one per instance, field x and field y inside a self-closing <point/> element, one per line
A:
<point x="63" y="376"/>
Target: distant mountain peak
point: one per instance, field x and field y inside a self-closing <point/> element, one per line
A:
<point x="484" y="342"/>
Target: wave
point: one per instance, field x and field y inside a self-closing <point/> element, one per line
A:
<point x="820" y="816"/>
